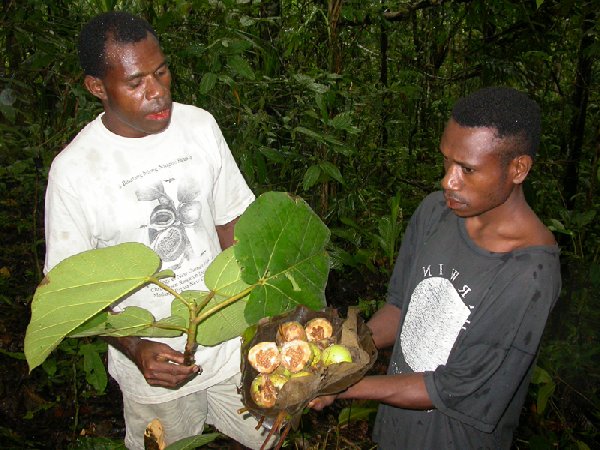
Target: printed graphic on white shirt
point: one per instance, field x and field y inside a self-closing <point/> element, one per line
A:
<point x="435" y="316"/>
<point x="171" y="218"/>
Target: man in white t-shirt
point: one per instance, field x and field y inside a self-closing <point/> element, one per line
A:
<point x="153" y="171"/>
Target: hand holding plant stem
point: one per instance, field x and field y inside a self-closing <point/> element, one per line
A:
<point x="278" y="262"/>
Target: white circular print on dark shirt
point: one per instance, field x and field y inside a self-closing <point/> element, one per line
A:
<point x="435" y="316"/>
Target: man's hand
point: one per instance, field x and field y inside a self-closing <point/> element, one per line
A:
<point x="319" y="403"/>
<point x="159" y="364"/>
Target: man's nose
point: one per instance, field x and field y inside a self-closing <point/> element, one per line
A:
<point x="155" y="88"/>
<point x="451" y="180"/>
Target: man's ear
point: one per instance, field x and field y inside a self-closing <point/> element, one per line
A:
<point x="520" y="166"/>
<point x="95" y="86"/>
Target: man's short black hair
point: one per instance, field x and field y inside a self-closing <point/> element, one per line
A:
<point x="512" y="113"/>
<point x="121" y="27"/>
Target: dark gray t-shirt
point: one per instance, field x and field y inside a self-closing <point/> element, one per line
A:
<point x="472" y="322"/>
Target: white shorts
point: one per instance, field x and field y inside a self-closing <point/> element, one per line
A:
<point x="186" y="416"/>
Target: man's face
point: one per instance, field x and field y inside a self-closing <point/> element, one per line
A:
<point x="476" y="181"/>
<point x="136" y="89"/>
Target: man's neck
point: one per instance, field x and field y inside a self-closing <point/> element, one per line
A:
<point x="505" y="228"/>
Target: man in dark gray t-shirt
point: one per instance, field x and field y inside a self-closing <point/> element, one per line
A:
<point x="475" y="279"/>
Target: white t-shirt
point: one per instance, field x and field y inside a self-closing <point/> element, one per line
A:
<point x="168" y="191"/>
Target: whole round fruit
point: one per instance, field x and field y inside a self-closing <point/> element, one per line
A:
<point x="335" y="354"/>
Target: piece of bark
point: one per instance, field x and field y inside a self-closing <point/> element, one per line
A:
<point x="154" y="436"/>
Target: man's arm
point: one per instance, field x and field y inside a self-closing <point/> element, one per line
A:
<point x="384" y="325"/>
<point x="403" y="390"/>
<point x="225" y="233"/>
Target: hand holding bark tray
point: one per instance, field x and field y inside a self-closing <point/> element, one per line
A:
<point x="316" y="380"/>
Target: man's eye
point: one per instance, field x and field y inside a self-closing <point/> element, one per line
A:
<point x="135" y="83"/>
<point x="467" y="169"/>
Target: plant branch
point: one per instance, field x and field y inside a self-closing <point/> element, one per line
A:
<point x="222" y="305"/>
<point x="177" y="295"/>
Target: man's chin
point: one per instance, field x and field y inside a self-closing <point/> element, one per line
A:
<point x="158" y="126"/>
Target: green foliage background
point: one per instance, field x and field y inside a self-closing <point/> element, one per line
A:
<point x="342" y="103"/>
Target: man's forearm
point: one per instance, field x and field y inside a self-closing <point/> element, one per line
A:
<point x="125" y="345"/>
<point x="403" y="391"/>
<point x="384" y="325"/>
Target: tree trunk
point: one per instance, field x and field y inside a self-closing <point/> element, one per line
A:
<point x="583" y="79"/>
<point x="269" y="32"/>
<point x="383" y="78"/>
<point x="334" y="9"/>
<point x="11" y="49"/>
<point x="573" y="152"/>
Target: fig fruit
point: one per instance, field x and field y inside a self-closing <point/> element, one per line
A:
<point x="265" y="389"/>
<point x="290" y="331"/>
<point x="316" y="359"/>
<point x="296" y="355"/>
<point x="318" y="329"/>
<point x="335" y="354"/>
<point x="264" y="357"/>
<point x="282" y="371"/>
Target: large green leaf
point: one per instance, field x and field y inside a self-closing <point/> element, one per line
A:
<point x="240" y="66"/>
<point x="281" y="250"/>
<point x="128" y="322"/>
<point x="208" y="82"/>
<point x="80" y="287"/>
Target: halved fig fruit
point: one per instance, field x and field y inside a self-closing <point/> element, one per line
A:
<point x="296" y="355"/>
<point x="318" y="329"/>
<point x="265" y="389"/>
<point x="290" y="331"/>
<point x="264" y="357"/>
